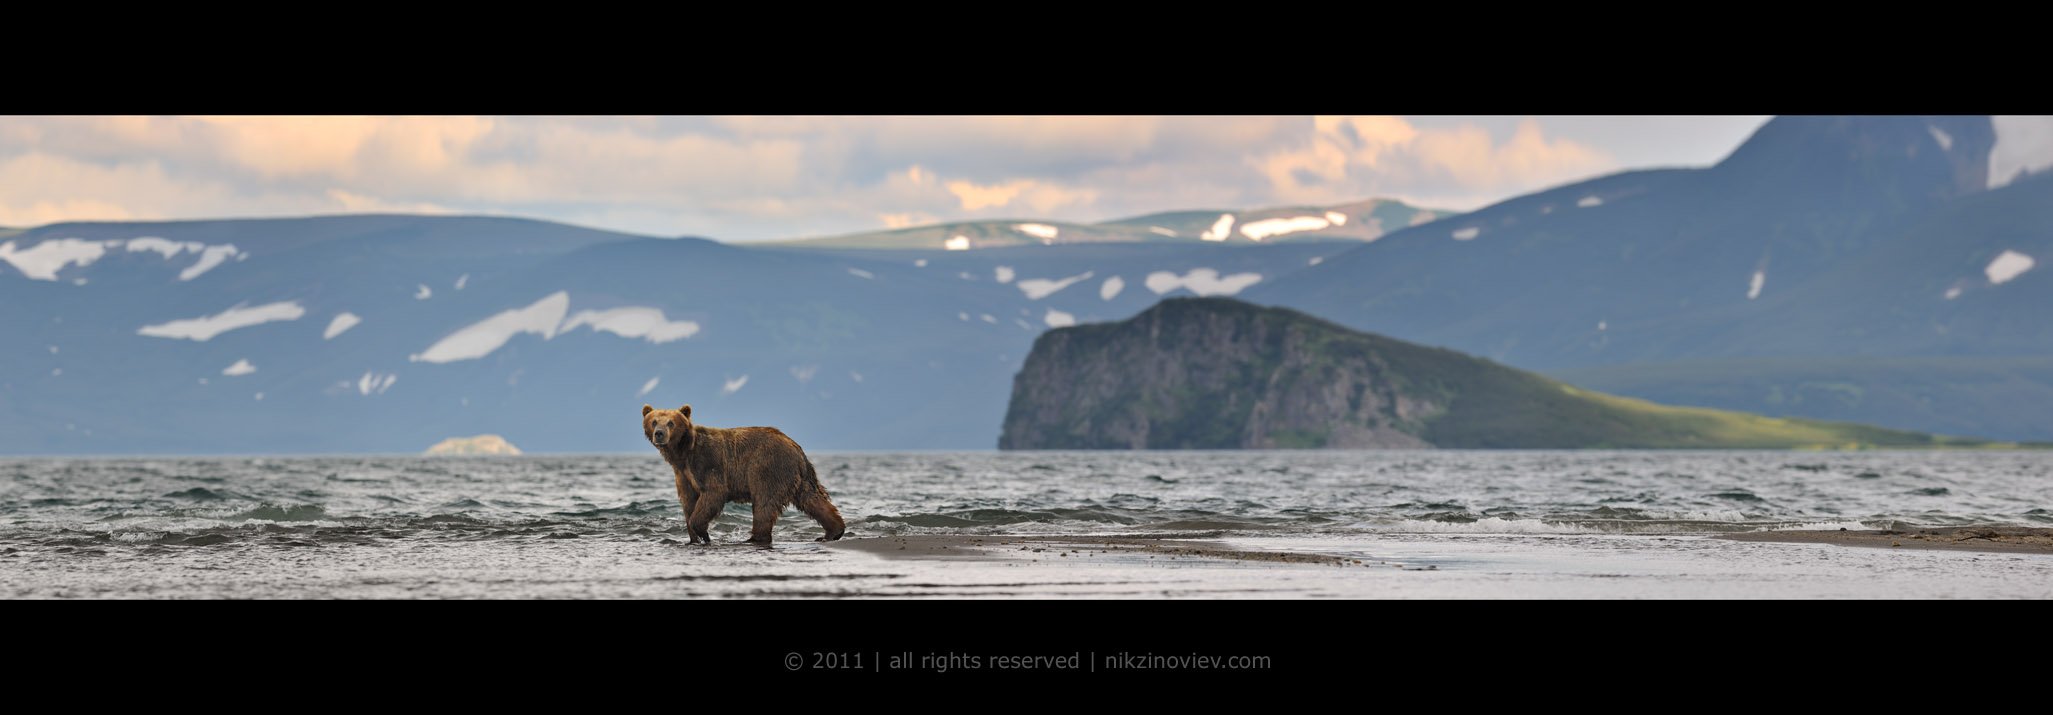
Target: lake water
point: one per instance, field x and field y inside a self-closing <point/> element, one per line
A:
<point x="1436" y="523"/>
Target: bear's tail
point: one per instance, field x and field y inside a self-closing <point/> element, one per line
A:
<point x="812" y="499"/>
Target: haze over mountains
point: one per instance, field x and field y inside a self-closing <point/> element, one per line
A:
<point x="1846" y="268"/>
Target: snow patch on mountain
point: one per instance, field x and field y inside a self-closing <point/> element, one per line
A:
<point x="204" y="328"/>
<point x="1201" y="281"/>
<point x="1038" y="288"/>
<point x="481" y="338"/>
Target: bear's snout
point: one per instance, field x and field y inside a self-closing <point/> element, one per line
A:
<point x="660" y="437"/>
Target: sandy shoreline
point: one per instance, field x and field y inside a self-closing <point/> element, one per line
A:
<point x="1055" y="549"/>
<point x="2006" y="539"/>
<point x="1059" y="548"/>
<point x="1200" y="565"/>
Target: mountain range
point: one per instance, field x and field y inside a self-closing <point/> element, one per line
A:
<point x="1821" y="242"/>
<point x="1842" y="268"/>
<point x="1359" y="221"/>
<point x="391" y="333"/>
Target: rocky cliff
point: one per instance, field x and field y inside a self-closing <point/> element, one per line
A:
<point x="1215" y="373"/>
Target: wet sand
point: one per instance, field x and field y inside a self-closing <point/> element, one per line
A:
<point x="2021" y="540"/>
<point x="1053" y="548"/>
<point x="1199" y="565"/>
<point x="2016" y="540"/>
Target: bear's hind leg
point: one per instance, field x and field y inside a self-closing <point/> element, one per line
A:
<point x="815" y="504"/>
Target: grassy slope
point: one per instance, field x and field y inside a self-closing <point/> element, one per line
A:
<point x="1496" y="407"/>
<point x="1998" y="396"/>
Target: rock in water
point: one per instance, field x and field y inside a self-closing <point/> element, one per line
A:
<point x="471" y="446"/>
<point x="1216" y="373"/>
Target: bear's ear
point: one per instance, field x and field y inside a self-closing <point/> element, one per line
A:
<point x="646" y="410"/>
<point x="686" y="410"/>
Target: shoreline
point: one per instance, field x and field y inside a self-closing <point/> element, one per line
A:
<point x="1194" y="548"/>
<point x="1079" y="547"/>
<point x="1996" y="539"/>
<point x="1953" y="563"/>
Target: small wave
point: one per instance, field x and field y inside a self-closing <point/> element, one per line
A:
<point x="195" y="539"/>
<point x="999" y="517"/>
<point x="1931" y="492"/>
<point x="297" y="512"/>
<point x="1815" y="526"/>
<point x="450" y="519"/>
<point x="1496" y="525"/>
<point x="631" y="510"/>
<point x="1492" y="525"/>
<point x="1090" y="518"/>
<point x="205" y="494"/>
<point x="1212" y="527"/>
<point x="1735" y="495"/>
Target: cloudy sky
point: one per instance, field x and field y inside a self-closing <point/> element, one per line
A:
<point x="753" y="178"/>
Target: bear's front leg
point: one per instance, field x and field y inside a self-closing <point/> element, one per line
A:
<point x="704" y="510"/>
<point x="690" y="502"/>
<point x="687" y="499"/>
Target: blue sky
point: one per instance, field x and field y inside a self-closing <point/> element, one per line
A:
<point x="755" y="178"/>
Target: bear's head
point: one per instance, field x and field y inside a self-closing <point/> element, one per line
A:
<point x="668" y="429"/>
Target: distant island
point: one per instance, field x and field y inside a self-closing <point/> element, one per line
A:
<point x="484" y="444"/>
<point x="1217" y="373"/>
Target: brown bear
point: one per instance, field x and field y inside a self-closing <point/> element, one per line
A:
<point x="715" y="466"/>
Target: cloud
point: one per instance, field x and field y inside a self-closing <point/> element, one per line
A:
<point x="359" y="203"/>
<point x="1470" y="156"/>
<point x="745" y="178"/>
<point x="1353" y="157"/>
<point x="45" y="211"/>
<point x="39" y="187"/>
<point x="904" y="220"/>
<point x="978" y="197"/>
<point x="1028" y="193"/>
